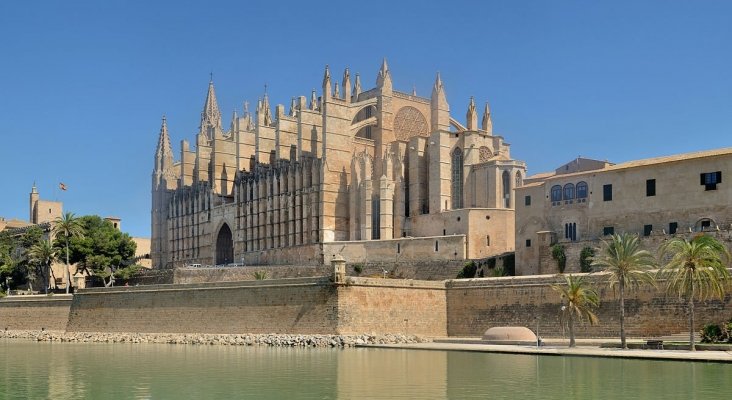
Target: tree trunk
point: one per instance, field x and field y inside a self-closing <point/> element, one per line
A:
<point x="692" y="347"/>
<point x="571" y="330"/>
<point x="46" y="278"/>
<point x="623" y="344"/>
<point x="68" y="270"/>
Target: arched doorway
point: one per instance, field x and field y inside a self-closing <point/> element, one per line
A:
<point x="224" y="246"/>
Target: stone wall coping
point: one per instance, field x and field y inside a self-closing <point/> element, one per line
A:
<point x="394" y="283"/>
<point x="39" y="298"/>
<point x="289" y="282"/>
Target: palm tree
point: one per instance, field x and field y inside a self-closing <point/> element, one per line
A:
<point x="43" y="253"/>
<point x="628" y="266"/>
<point x="68" y="226"/>
<point x="696" y="269"/>
<point x="580" y="300"/>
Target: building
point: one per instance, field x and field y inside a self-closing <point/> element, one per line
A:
<point x="374" y="175"/>
<point x="585" y="200"/>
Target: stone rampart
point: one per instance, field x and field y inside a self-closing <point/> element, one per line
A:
<point x="477" y="304"/>
<point x="35" y="312"/>
<point x="307" y="305"/>
<point x="392" y="306"/>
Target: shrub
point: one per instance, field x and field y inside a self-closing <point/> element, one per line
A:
<point x="468" y="271"/>
<point x="711" y="333"/>
<point x="586" y="259"/>
<point x="358" y="268"/>
<point x="260" y="275"/>
<point x="496" y="272"/>
<point x="559" y="256"/>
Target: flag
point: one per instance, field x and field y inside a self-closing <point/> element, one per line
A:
<point x="62" y="186"/>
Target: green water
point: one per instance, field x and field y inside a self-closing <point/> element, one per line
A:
<point x="30" y="370"/>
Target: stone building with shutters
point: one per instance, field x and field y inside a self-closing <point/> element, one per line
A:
<point x="374" y="175"/>
<point x="585" y="200"/>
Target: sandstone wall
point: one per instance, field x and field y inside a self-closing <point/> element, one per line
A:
<point x="307" y="305"/>
<point x="35" y="312"/>
<point x="478" y="304"/>
<point x="392" y="306"/>
<point x="286" y="306"/>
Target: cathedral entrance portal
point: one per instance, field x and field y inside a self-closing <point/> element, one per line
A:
<point x="224" y="246"/>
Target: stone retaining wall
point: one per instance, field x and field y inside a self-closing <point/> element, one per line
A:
<point x="477" y="304"/>
<point x="35" y="312"/>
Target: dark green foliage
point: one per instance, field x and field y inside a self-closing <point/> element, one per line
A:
<point x="711" y="333"/>
<point x="559" y="256"/>
<point x="358" y="268"/>
<point x="586" y="256"/>
<point x="468" y="271"/>
<point x="509" y="265"/>
<point x="102" y="249"/>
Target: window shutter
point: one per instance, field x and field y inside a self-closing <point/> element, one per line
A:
<point x="719" y="176"/>
<point x="701" y="179"/>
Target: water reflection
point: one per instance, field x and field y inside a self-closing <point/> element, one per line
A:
<point x="126" y="371"/>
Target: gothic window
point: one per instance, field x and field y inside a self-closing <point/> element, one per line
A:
<point x="506" y="190"/>
<point x="519" y="180"/>
<point x="457" y="179"/>
<point x="569" y="191"/>
<point x="581" y="190"/>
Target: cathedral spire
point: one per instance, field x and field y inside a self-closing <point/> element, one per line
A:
<point x="383" y="80"/>
<point x="471" y="117"/>
<point x="266" y="111"/>
<point x="357" y="87"/>
<point x="210" y="114"/>
<point x="164" y="152"/>
<point x="234" y="121"/>
<point x="293" y="107"/>
<point x="440" y="119"/>
<point x="313" y="101"/>
<point x="487" y="124"/>
<point x="327" y="89"/>
<point x="346" y="85"/>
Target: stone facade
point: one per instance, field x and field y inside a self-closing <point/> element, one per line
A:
<point x="35" y="312"/>
<point x="351" y="166"/>
<point x="585" y="200"/>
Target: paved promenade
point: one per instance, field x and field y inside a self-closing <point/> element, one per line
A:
<point x="580" y="351"/>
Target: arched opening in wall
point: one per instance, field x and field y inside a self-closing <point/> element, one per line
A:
<point x="506" y="190"/>
<point x="224" y="246"/>
<point x="519" y="179"/>
<point x="704" y="224"/>
<point x="363" y="115"/>
<point x="457" y="179"/>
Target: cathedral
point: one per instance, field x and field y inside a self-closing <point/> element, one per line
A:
<point x="375" y="175"/>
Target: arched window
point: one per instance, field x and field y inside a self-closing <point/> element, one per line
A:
<point x="568" y="191"/>
<point x="506" y="190"/>
<point x="457" y="179"/>
<point x="582" y="190"/>
<point x="519" y="180"/>
<point x="556" y="193"/>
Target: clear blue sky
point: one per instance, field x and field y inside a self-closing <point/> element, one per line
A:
<point x="83" y="85"/>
